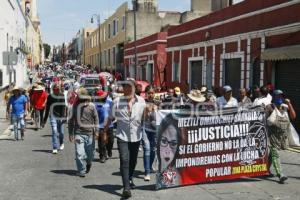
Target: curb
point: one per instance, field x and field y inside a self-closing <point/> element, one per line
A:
<point x="294" y="149"/>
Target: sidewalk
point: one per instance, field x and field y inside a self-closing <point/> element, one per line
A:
<point x="5" y="132"/>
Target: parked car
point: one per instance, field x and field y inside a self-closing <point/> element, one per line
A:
<point x="91" y="83"/>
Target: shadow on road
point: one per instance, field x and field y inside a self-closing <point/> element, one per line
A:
<point x="112" y="158"/>
<point x="42" y="150"/>
<point x="269" y="178"/>
<point x="146" y="187"/>
<point x="111" y="189"/>
<point x="294" y="177"/>
<point x="46" y="136"/>
<point x="285" y="163"/>
<point x="32" y="128"/>
<point x="137" y="174"/>
<point x="70" y="172"/>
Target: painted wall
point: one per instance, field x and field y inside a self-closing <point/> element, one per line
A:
<point x="12" y="36"/>
<point x="242" y="31"/>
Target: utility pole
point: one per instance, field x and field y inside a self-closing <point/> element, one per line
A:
<point x="135" y="38"/>
<point x="99" y="38"/>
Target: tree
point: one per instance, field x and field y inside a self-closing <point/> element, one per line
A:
<point x="47" y="49"/>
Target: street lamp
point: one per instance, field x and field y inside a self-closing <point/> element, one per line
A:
<point x="99" y="37"/>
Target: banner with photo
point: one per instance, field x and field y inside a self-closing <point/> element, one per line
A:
<point x="208" y="147"/>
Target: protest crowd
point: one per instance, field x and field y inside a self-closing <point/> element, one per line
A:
<point x="100" y="108"/>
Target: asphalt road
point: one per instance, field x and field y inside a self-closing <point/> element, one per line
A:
<point x="29" y="171"/>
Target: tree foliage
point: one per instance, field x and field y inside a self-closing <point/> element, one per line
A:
<point x="47" y="49"/>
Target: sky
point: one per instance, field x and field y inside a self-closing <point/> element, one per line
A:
<point x="61" y="19"/>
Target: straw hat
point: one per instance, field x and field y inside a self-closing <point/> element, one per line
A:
<point x="195" y="95"/>
<point x="83" y="94"/>
<point x="38" y="88"/>
<point x="16" y="88"/>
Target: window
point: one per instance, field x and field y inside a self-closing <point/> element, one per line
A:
<point x="109" y="31"/>
<point x="132" y="71"/>
<point x="96" y="39"/>
<point x="104" y="34"/>
<point x="114" y="55"/>
<point x="117" y="26"/>
<point x="114" y="27"/>
<point x="232" y="74"/>
<point x="123" y="22"/>
<point x="150" y="73"/>
<point x="1" y="78"/>
<point x="195" y="75"/>
<point x="105" y="60"/>
<point x="108" y="59"/>
<point x="176" y="72"/>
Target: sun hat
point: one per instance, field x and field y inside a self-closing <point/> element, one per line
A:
<point x="83" y="93"/>
<point x="38" y="88"/>
<point x="196" y="95"/>
<point x="16" y="88"/>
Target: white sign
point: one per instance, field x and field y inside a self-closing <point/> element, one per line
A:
<point x="10" y="58"/>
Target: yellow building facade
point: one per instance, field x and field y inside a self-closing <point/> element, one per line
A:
<point x="112" y="37"/>
<point x="34" y="44"/>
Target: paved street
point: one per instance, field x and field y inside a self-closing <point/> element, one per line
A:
<point x="28" y="170"/>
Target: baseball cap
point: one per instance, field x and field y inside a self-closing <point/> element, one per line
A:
<point x="101" y="94"/>
<point x="227" y="88"/>
<point x="129" y="81"/>
<point x="278" y="92"/>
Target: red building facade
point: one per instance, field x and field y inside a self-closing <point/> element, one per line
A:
<point x="226" y="47"/>
<point x="151" y="59"/>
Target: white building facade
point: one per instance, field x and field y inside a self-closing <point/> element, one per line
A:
<point x="12" y="38"/>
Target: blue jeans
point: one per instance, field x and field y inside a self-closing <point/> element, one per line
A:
<point x="84" y="148"/>
<point x="57" y="132"/>
<point x="149" y="145"/>
<point x="18" y="122"/>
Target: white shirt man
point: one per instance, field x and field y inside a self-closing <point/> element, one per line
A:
<point x="227" y="101"/>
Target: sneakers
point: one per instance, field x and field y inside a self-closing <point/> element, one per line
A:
<point x="88" y="168"/>
<point x="153" y="171"/>
<point x="80" y="175"/>
<point x="62" y="146"/>
<point x="147" y="177"/>
<point x="126" y="194"/>
<point x="103" y="159"/>
<point x="132" y="185"/>
<point x="54" y="151"/>
<point x="109" y="153"/>
<point x="282" y="179"/>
